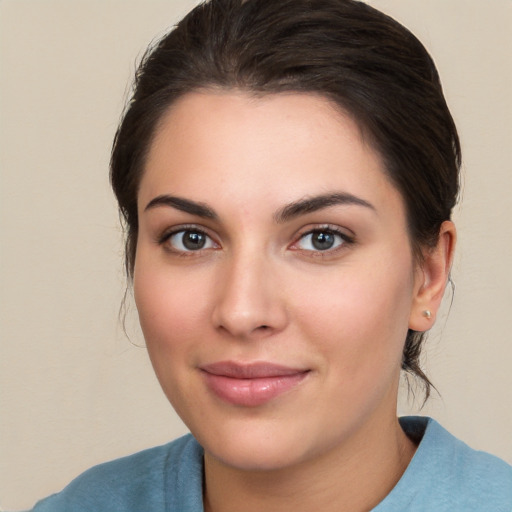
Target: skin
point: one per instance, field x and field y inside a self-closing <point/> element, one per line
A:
<point x="259" y="290"/>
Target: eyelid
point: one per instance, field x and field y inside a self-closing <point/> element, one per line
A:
<point x="168" y="232"/>
<point x="162" y="238"/>
<point x="348" y="239"/>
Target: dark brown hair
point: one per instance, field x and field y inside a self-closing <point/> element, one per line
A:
<point x="364" y="61"/>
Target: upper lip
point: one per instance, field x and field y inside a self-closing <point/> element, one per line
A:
<point x="256" y="370"/>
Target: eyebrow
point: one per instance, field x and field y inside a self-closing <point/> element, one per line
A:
<point x="316" y="203"/>
<point x="285" y="214"/>
<point x="184" y="205"/>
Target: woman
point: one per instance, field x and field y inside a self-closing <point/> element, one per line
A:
<point x="287" y="172"/>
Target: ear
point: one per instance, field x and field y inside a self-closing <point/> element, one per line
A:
<point x="431" y="278"/>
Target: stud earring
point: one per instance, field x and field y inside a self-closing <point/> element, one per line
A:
<point x="427" y="314"/>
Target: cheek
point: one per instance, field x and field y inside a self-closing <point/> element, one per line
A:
<point x="172" y="321"/>
<point x="168" y="306"/>
<point x="359" y="318"/>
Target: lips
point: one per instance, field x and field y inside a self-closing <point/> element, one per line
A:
<point x="250" y="385"/>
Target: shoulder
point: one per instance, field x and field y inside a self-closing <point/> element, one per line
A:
<point x="446" y="474"/>
<point x="484" y="481"/>
<point x="469" y="467"/>
<point x="138" y="482"/>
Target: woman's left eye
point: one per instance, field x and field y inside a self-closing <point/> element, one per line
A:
<point x="321" y="240"/>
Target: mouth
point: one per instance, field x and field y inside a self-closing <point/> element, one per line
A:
<point x="251" y="385"/>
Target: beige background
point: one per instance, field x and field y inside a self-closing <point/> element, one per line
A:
<point x="73" y="390"/>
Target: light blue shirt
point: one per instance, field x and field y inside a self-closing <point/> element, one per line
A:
<point x="445" y="475"/>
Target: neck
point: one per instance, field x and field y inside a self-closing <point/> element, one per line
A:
<point x="354" y="477"/>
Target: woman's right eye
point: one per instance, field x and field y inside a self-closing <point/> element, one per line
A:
<point x="189" y="240"/>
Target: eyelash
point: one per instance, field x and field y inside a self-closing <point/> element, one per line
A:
<point x="167" y="235"/>
<point x="346" y="240"/>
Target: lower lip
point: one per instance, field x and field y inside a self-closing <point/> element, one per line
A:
<point x="252" y="392"/>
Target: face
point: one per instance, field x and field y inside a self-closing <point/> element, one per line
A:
<point x="273" y="277"/>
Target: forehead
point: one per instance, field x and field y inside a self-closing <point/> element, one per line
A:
<point x="276" y="147"/>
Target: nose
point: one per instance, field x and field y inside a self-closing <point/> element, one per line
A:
<point x="250" y="301"/>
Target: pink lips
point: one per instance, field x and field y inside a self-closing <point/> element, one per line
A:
<point x="252" y="384"/>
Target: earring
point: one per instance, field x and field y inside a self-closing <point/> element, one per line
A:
<point x="427" y="314"/>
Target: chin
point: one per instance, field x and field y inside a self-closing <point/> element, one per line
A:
<point x="260" y="444"/>
<point x="258" y="456"/>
